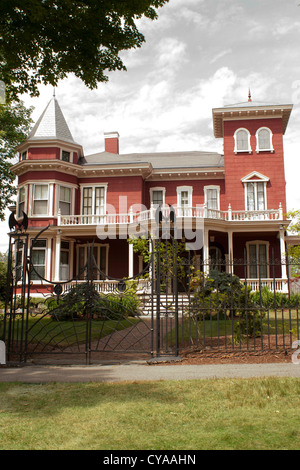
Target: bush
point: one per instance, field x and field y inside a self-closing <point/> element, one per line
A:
<point x="268" y="299"/>
<point x="83" y="299"/>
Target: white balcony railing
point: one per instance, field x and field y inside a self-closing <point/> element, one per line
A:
<point x="144" y="285"/>
<point x="181" y="212"/>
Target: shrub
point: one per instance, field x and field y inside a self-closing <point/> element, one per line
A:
<point x="83" y="299"/>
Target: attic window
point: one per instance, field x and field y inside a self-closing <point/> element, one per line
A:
<point x="65" y="156"/>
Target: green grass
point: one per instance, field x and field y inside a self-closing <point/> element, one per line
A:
<point x="172" y="415"/>
<point x="42" y="329"/>
<point x="279" y="322"/>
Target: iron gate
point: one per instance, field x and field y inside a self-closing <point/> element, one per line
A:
<point x="76" y="317"/>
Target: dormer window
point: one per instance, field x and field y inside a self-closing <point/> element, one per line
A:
<point x="242" y="141"/>
<point x="264" y="140"/>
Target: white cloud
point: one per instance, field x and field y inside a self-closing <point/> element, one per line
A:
<point x="220" y="55"/>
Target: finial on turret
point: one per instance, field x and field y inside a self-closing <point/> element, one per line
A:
<point x="249" y="95"/>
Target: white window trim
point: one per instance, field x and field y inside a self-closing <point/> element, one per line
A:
<point x="47" y="249"/>
<point x="271" y="149"/>
<point x="179" y="190"/>
<point x="255" y="195"/>
<point x="49" y="201"/>
<point x="25" y="186"/>
<point x="57" y="194"/>
<point x="249" y="150"/>
<point x="257" y="243"/>
<point x="69" y="258"/>
<point x="255" y="178"/>
<point x="158" y="188"/>
<point x="66" y="150"/>
<point x="93" y="186"/>
<point x="85" y="246"/>
<point x="217" y="188"/>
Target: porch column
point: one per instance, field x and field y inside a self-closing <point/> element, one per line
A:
<point x="282" y="254"/>
<point x="57" y="257"/>
<point x="230" y="251"/>
<point x="206" y="252"/>
<point x="130" y="260"/>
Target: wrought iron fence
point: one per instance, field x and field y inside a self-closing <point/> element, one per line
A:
<point x="186" y="303"/>
<point x="218" y="306"/>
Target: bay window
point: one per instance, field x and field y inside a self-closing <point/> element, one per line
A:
<point x="40" y="199"/>
<point x="21" y="202"/>
<point x="65" y="194"/>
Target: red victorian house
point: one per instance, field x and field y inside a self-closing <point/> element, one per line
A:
<point x="236" y="200"/>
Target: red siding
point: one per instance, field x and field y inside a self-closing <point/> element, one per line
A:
<point x="198" y="191"/>
<point x="47" y="175"/>
<point x="240" y="165"/>
<point x="43" y="153"/>
<point x="122" y="192"/>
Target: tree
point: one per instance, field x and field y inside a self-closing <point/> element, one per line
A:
<point x="294" y="250"/>
<point x="15" y="122"/>
<point x="45" y="40"/>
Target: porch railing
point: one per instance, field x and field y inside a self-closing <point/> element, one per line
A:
<point x="200" y="211"/>
<point x="144" y="285"/>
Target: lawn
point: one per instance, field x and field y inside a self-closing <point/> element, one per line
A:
<point x="43" y="329"/>
<point x="273" y="323"/>
<point x="164" y="415"/>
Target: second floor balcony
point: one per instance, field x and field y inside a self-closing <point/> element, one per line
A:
<point x="199" y="212"/>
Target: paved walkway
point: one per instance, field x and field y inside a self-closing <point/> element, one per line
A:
<point x="142" y="371"/>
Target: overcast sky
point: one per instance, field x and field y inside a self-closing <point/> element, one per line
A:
<point x="198" y="55"/>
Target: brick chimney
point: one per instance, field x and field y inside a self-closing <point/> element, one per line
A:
<point x="111" y="140"/>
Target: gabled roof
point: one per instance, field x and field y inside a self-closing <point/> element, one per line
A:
<point x="51" y="125"/>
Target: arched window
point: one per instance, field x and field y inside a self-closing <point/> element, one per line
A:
<point x="264" y="140"/>
<point x="242" y="141"/>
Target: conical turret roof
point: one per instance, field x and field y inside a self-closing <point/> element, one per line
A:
<point x="51" y="124"/>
